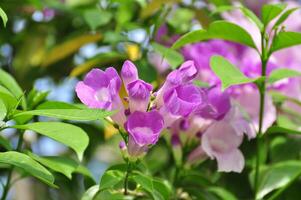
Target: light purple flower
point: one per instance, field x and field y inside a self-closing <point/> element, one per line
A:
<point x="221" y="142"/>
<point x="100" y="89"/>
<point x="139" y="95"/>
<point x="129" y="73"/>
<point x="144" y="130"/>
<point x="183" y="99"/>
<point x="172" y="80"/>
<point x="248" y="98"/>
<point x="188" y="71"/>
<point x="217" y="106"/>
<point x="197" y="155"/>
<point x="180" y="101"/>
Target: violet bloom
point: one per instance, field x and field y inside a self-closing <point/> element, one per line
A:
<point x="184" y="75"/>
<point x="221" y="142"/>
<point x="139" y="95"/>
<point x="217" y="106"/>
<point x="181" y="101"/>
<point x="100" y="89"/>
<point x="188" y="71"/>
<point x="248" y="98"/>
<point x="144" y="130"/>
<point x="129" y="73"/>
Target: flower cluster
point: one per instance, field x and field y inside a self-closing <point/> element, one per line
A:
<point x="207" y="115"/>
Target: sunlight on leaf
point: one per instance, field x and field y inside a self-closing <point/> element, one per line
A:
<point x="217" y="30"/>
<point x="3" y="16"/>
<point x="27" y="164"/>
<point x="228" y="73"/>
<point x="67" y="134"/>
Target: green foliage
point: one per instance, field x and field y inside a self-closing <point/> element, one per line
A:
<point x="174" y="58"/>
<point x="5" y="143"/>
<point x="3" y="110"/>
<point x="277" y="176"/>
<point x="69" y="114"/>
<point x="270" y="11"/>
<point x="90" y="193"/>
<point x="285" y="39"/>
<point x="228" y="73"/>
<point x="278" y="129"/>
<point x="217" y="30"/>
<point x="3" y="16"/>
<point x="27" y="164"/>
<point x="282" y="73"/>
<point x="111" y="178"/>
<point x="247" y="12"/>
<point x="97" y="17"/>
<point x="10" y="83"/>
<point x="67" y="134"/>
<point x="283" y="17"/>
<point x="62" y="165"/>
<point x="222" y="193"/>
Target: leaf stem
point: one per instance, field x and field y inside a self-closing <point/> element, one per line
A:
<point x="126" y="179"/>
<point x="10" y="172"/>
<point x="262" y="89"/>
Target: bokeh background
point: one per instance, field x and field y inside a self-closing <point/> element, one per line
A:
<point x="50" y="44"/>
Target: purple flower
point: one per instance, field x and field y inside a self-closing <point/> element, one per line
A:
<point x="188" y="71"/>
<point x="139" y="95"/>
<point x="248" y="98"/>
<point x="217" y="106"/>
<point x="221" y="142"/>
<point x="172" y="80"/>
<point x="129" y="73"/>
<point x="183" y="99"/>
<point x="100" y="90"/>
<point x="144" y="130"/>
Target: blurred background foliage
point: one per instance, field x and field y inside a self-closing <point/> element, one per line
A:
<point x="50" y="44"/>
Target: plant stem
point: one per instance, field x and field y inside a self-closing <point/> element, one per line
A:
<point x="262" y="88"/>
<point x="126" y="179"/>
<point x="10" y="172"/>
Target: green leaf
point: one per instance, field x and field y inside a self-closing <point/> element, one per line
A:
<point x="217" y="30"/>
<point x="69" y="114"/>
<point x="144" y="181"/>
<point x="277" y="176"/>
<point x="227" y="73"/>
<point x="9" y="101"/>
<point x="56" y="105"/>
<point x="270" y="11"/>
<point x="5" y="143"/>
<point x="282" y="73"/>
<point x="247" y="12"/>
<point x="10" y="83"/>
<point x="173" y="58"/>
<point x="283" y="17"/>
<point x="222" y="193"/>
<point x="97" y="17"/>
<point x="110" y="178"/>
<point x="27" y="164"/>
<point x="3" y="110"/>
<point x="59" y="164"/>
<point x="280" y="98"/>
<point x="112" y="195"/>
<point x="162" y="187"/>
<point x="35" y="97"/>
<point x="286" y="39"/>
<point x="67" y="134"/>
<point x="279" y="129"/>
<point x="90" y="193"/>
<point x="3" y="16"/>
